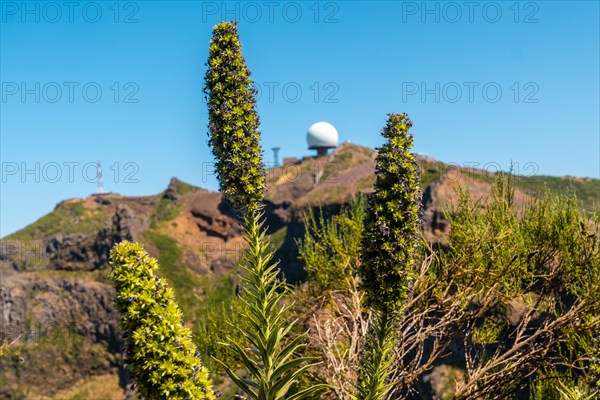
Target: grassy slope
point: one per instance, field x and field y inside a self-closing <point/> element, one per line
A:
<point x="191" y="291"/>
<point x="586" y="189"/>
<point x="68" y="218"/>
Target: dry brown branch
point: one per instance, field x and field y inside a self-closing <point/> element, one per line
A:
<point x="501" y="372"/>
<point x="339" y="341"/>
<point x="441" y="317"/>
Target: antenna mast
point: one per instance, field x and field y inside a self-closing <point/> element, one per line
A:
<point x="276" y="155"/>
<point x="99" y="183"/>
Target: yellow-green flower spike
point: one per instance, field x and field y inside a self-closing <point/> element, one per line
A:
<point x="233" y="120"/>
<point x="164" y="360"/>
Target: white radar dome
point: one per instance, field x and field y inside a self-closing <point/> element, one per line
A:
<point x="322" y="135"/>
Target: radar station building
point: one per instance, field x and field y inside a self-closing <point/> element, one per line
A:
<point x="322" y="136"/>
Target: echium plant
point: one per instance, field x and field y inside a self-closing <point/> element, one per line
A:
<point x="271" y="360"/>
<point x="164" y="361"/>
<point x="390" y="238"/>
<point x="233" y="120"/>
<point x="388" y="251"/>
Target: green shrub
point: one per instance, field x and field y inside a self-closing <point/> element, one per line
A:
<point x="330" y="248"/>
<point x="542" y="257"/>
<point x="215" y="323"/>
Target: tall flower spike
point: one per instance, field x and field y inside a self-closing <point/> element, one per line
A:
<point x="271" y="359"/>
<point x="233" y="120"/>
<point x="164" y="360"/>
<point x="390" y="240"/>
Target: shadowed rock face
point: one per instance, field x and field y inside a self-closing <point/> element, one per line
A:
<point x="84" y="306"/>
<point x="54" y="275"/>
<point x="64" y="328"/>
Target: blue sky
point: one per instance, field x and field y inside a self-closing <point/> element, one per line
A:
<point x="485" y="84"/>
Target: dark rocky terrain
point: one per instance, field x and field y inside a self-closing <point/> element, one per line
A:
<point x="56" y="300"/>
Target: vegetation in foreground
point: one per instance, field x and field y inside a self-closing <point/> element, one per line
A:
<point x="509" y="309"/>
<point x="512" y="303"/>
